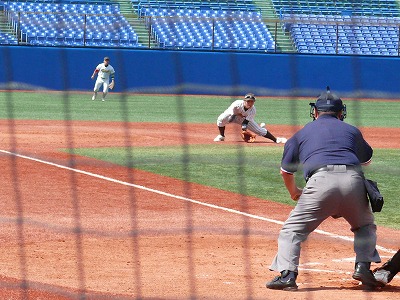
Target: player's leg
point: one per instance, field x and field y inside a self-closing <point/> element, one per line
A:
<point x="224" y="119"/>
<point x="96" y="88"/>
<point x="257" y="129"/>
<point x="262" y="131"/>
<point x="105" y="90"/>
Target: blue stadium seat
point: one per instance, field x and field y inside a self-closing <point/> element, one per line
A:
<point x="233" y="28"/>
<point x="44" y="21"/>
<point x="371" y="33"/>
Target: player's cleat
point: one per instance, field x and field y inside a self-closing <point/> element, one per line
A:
<point x="281" y="140"/>
<point x="219" y="138"/>
<point x="94" y="97"/>
<point x="385" y="273"/>
<point x="286" y="282"/>
<point x="362" y="273"/>
<point x="382" y="276"/>
<point x="103" y="99"/>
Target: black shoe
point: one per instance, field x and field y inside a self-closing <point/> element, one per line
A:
<point x="283" y="282"/>
<point x="362" y="273"/>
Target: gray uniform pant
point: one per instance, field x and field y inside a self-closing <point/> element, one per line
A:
<point x="225" y="118"/>
<point x="339" y="192"/>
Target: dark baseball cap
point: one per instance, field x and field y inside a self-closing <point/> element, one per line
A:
<point x="249" y="96"/>
<point x="106" y="58"/>
<point x="329" y="101"/>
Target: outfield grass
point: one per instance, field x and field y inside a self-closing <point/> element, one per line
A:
<point x="248" y="170"/>
<point x="190" y="109"/>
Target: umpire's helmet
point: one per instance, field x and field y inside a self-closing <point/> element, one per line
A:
<point x="328" y="101"/>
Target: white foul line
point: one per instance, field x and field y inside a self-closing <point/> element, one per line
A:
<point x="332" y="235"/>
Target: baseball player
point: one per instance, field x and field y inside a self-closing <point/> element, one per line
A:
<point x="385" y="273"/>
<point x="243" y="112"/>
<point x="331" y="153"/>
<point x="104" y="72"/>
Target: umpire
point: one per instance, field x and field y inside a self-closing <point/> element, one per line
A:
<point x="331" y="153"/>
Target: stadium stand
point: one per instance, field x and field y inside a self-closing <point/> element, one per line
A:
<point x="342" y="27"/>
<point x="70" y="24"/>
<point x="318" y="27"/>
<point x="205" y="25"/>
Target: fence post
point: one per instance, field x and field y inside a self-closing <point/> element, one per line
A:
<point x="398" y="42"/>
<point x="276" y="35"/>
<point x="19" y="33"/>
<point x="149" y="32"/>
<point x="213" y="34"/>
<point x="84" y="29"/>
<point x="337" y="38"/>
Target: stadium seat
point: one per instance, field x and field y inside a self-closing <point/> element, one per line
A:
<point x="367" y="24"/>
<point x="232" y="28"/>
<point x="49" y="16"/>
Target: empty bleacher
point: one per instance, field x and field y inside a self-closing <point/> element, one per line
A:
<point x="317" y="27"/>
<point x="206" y="25"/>
<point x="342" y="27"/>
<point x="70" y="24"/>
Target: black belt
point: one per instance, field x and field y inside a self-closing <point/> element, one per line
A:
<point x="334" y="168"/>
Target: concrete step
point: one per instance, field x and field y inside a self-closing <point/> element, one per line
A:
<point x="282" y="39"/>
<point x="137" y="23"/>
<point x="4" y="25"/>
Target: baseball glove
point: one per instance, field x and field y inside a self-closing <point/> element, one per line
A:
<point x="248" y="136"/>
<point x="111" y="86"/>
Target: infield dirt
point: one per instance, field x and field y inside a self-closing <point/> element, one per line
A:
<point x="71" y="235"/>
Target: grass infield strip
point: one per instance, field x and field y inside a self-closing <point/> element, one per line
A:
<point x="256" y="174"/>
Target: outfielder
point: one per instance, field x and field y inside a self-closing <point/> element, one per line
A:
<point x="105" y="72"/>
<point x="243" y="112"/>
<point x="331" y="153"/>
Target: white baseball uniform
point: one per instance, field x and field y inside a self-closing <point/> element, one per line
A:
<point x="103" y="77"/>
<point x="236" y="113"/>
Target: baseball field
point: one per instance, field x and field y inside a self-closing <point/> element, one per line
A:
<point x="131" y="199"/>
